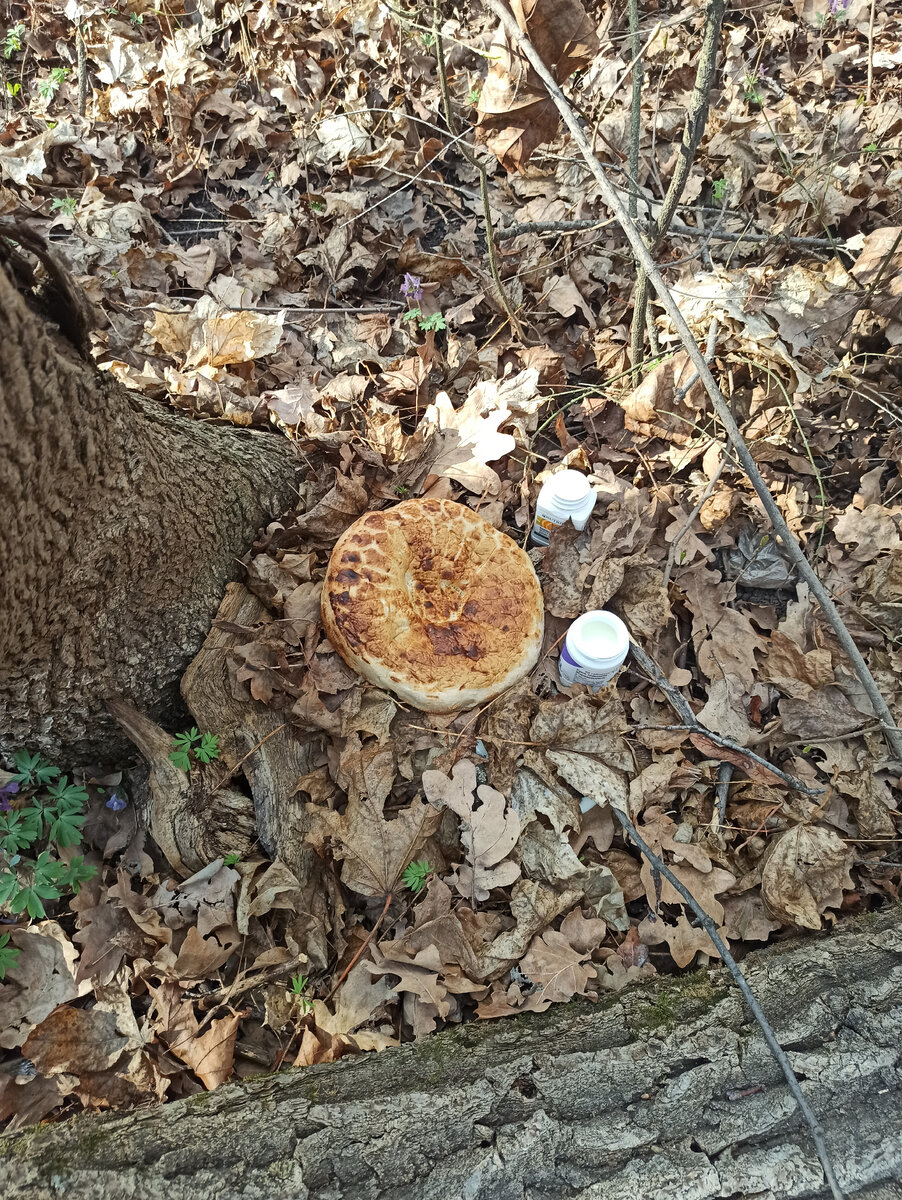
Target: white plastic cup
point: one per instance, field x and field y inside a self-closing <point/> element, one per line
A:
<point x="594" y="650"/>
<point x="566" y="496"/>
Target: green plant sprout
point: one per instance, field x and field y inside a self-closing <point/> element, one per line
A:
<point x="231" y="859"/>
<point x="299" y="984"/>
<point x="430" y="324"/>
<point x="416" y="874"/>
<point x="720" y="190"/>
<point x="192" y="746"/>
<point x="51" y="84"/>
<point x="64" y="204"/>
<point x="31" y="836"/>
<point x="12" y="41"/>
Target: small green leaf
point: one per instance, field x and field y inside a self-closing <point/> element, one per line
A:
<point x="33" y="770"/>
<point x="208" y="750"/>
<point x="231" y="859"/>
<point x="416" y="874"/>
<point x="433" y="322"/>
<point x="8" y="956"/>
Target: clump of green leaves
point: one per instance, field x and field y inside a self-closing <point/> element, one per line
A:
<point x="416" y="874"/>
<point x="12" y="40"/>
<point x="48" y="817"/>
<point x="192" y="746"/>
<point x="51" y="84"/>
<point x="430" y="324"/>
<point x="64" y="204"/>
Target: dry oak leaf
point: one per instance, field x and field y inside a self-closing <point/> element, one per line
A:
<point x="374" y="851"/>
<point x="871" y="532"/>
<point x="354" y="1004"/>
<point x="683" y="940"/>
<point x="75" y="1041"/>
<point x="533" y="906"/>
<point x="805" y="872"/>
<point x="795" y="673"/>
<point x="490" y="832"/>
<point x="476" y="425"/>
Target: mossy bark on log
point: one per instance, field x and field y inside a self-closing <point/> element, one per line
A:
<point x="120" y="524"/>
<point x="664" y="1092"/>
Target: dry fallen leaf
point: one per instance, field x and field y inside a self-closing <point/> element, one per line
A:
<point x="805" y="872"/>
<point x="489" y="832"/>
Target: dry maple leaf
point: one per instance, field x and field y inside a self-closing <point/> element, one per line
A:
<point x="374" y="851"/>
<point x="554" y="963"/>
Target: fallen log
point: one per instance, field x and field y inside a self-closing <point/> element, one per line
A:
<point x="661" y="1091"/>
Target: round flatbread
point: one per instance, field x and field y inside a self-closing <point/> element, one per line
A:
<point x="432" y="603"/>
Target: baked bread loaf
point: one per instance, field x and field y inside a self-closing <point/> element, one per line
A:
<point x="432" y="603"/>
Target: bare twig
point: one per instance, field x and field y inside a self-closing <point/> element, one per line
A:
<point x="471" y="158"/>
<point x="817" y="1134"/>
<point x="226" y="995"/>
<point x="82" y="71"/>
<point x="684" y="529"/>
<point x="636" y="106"/>
<point x="676" y="227"/>
<point x="870" y="88"/>
<point x="710" y="347"/>
<point x="729" y="744"/>
<point x="691" y="723"/>
<point x="696" y="118"/>
<point x="721" y="407"/>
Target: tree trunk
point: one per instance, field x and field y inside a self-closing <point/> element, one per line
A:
<point x="121" y="524"/>
<point x="665" y="1092"/>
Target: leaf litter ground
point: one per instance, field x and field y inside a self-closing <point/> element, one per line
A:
<point x="248" y="195"/>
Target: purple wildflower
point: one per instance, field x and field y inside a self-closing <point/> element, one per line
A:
<point x="7" y="790"/>
<point x="412" y="287"/>
<point x="839" y="6"/>
<point x="116" y="802"/>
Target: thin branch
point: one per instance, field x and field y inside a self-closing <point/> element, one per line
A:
<point x="817" y="1134"/>
<point x="721" y="407"/>
<point x="676" y="227"/>
<point x="636" y="106"/>
<point x="471" y="158"/>
<point x="691" y="723"/>
<point x="729" y="744"/>
<point x="684" y="529"/>
<point x="696" y="118"/>
<point x="82" y="70"/>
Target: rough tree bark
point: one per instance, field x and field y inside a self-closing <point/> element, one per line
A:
<point x="120" y="525"/>
<point x="665" y="1092"/>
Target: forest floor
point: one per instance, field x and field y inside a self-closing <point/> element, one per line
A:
<point x="277" y="228"/>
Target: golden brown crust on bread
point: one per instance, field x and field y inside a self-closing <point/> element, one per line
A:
<point x="430" y="601"/>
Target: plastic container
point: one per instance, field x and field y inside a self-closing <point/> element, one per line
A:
<point x="594" y="649"/>
<point x="567" y="496"/>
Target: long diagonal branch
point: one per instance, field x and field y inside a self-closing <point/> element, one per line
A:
<point x="892" y="734"/>
<point x="817" y="1134"/>
<point x="696" y="118"/>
